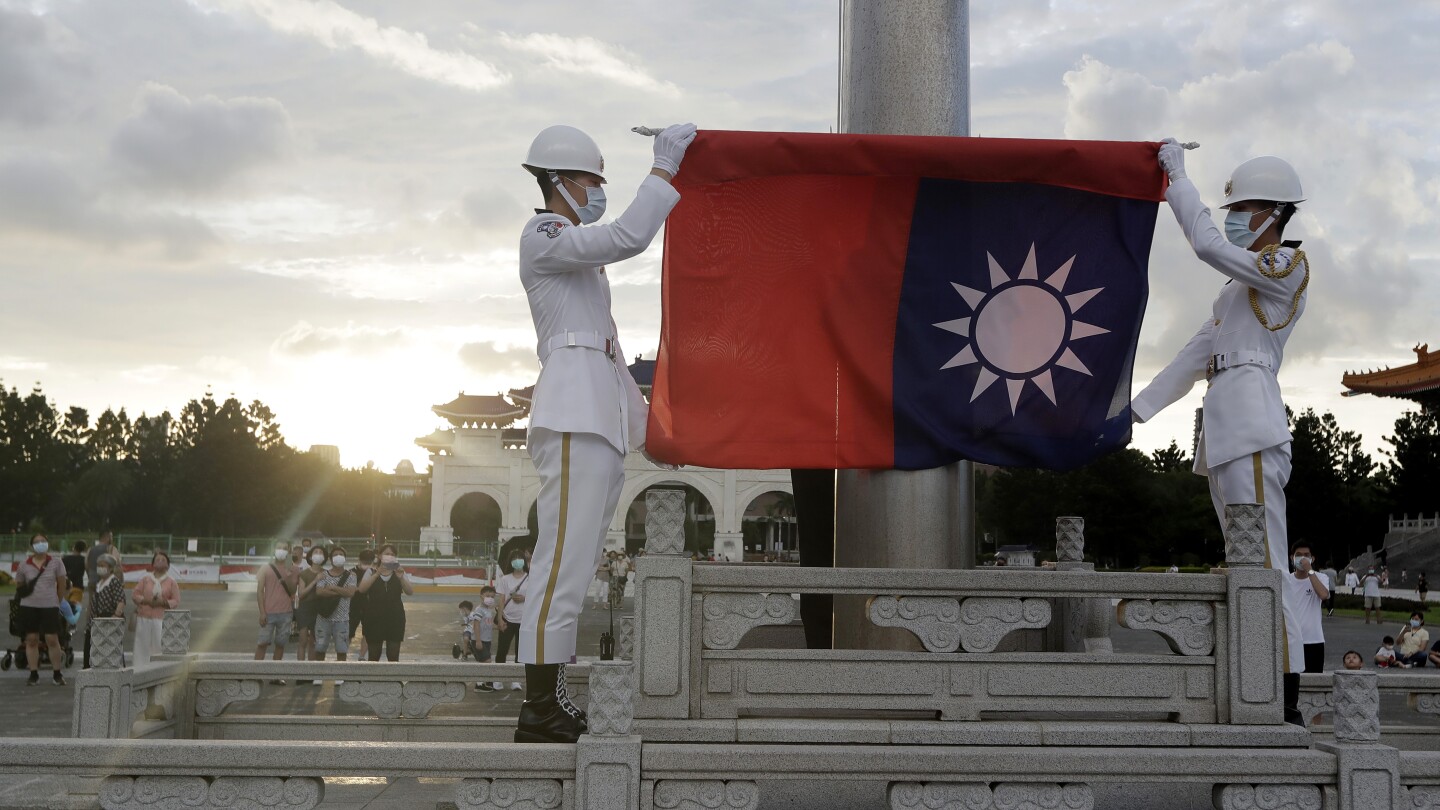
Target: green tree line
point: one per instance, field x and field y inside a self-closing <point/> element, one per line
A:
<point x="218" y="469"/>
<point x="1152" y="509"/>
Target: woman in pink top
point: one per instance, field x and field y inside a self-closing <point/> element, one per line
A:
<point x="153" y="595"/>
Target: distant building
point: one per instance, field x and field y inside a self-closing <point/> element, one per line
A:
<point x="1418" y="382"/>
<point x="405" y="482"/>
<point x="328" y="453"/>
<point x="1017" y="556"/>
<point x="481" y="457"/>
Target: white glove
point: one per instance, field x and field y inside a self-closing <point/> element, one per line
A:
<point x="1172" y="159"/>
<point x="670" y="146"/>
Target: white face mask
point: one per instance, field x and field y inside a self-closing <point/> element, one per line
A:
<point x="487" y="602"/>
<point x="282" y="553"/>
<point x="338" y="560"/>
<point x="318" y="559"/>
<point x="104" y="572"/>
<point x="41" y="547"/>
<point x="1300" y="560"/>
<point x="1237" y="227"/>
<point x="1414" y="622"/>
<point x="594" y="206"/>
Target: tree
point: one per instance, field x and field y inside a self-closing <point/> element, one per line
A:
<point x="1411" y="479"/>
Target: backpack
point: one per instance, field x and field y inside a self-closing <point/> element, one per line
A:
<point x="327" y="604"/>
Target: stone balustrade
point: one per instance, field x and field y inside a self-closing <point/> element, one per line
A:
<point x="704" y="716"/>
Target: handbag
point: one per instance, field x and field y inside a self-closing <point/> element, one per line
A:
<point x="328" y="604"/>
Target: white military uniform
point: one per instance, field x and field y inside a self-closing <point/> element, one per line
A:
<point x="1245" y="439"/>
<point x="588" y="411"/>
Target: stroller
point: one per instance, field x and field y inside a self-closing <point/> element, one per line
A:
<point x="16" y="657"/>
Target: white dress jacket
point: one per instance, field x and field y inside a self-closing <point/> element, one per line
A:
<point x="562" y="266"/>
<point x="1243" y="411"/>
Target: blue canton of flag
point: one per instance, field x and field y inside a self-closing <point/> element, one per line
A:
<point x="1019" y="314"/>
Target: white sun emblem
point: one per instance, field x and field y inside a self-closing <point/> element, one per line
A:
<point x="1021" y="329"/>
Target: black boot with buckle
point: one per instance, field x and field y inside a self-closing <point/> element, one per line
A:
<point x="544" y="717"/>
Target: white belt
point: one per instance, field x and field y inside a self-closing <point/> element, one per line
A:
<point x="1244" y="357"/>
<point x="583" y="340"/>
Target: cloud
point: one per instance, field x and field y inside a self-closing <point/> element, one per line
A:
<point x="304" y="339"/>
<point x="1107" y="103"/>
<point x="198" y="146"/>
<point x="13" y="363"/>
<point x="40" y="65"/>
<point x="338" y="28"/>
<point x="590" y="58"/>
<point x="39" y="197"/>
<point x="491" y="358"/>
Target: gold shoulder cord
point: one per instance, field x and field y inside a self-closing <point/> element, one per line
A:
<point x="1267" y="257"/>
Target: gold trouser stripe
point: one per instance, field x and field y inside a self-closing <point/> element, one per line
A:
<point x="559" y="547"/>
<point x="1260" y="499"/>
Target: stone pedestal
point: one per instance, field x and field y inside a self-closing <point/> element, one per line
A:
<point x="1369" y="771"/>
<point x="662" y="610"/>
<point x="607" y="759"/>
<point x="730" y="546"/>
<point x="1254" y="627"/>
<point x="439" y="538"/>
<point x="1080" y="625"/>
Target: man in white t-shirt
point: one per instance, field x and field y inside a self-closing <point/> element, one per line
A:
<point x="1371" y="585"/>
<point x="1309" y="589"/>
<point x="1306" y="590"/>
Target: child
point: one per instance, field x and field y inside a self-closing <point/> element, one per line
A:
<point x="1385" y="656"/>
<point x="480" y="625"/>
<point x="1352" y="660"/>
<point x="462" y="649"/>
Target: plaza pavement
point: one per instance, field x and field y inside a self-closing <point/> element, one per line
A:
<point x="224" y="622"/>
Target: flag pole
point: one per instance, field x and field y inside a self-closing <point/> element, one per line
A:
<point x="904" y="70"/>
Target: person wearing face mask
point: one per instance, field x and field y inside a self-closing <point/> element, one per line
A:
<point x="587" y="410"/>
<point x="275" y="586"/>
<point x="155" y="593"/>
<point x="1244" y="446"/>
<point x="305" y="602"/>
<point x="511" y="593"/>
<point x="480" y="632"/>
<point x="357" y="603"/>
<point x="1413" y="643"/>
<point x="383" y="587"/>
<point x="334" y="589"/>
<point x="107" y="599"/>
<point x="1308" y="589"/>
<point x="40" y="583"/>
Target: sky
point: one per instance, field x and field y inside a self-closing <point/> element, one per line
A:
<point x="317" y="203"/>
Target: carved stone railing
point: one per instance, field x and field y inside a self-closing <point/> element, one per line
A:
<point x="1419" y="690"/>
<point x="215" y="697"/>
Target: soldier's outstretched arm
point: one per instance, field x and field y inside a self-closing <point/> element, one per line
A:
<point x="1177" y="378"/>
<point x="573" y="248"/>
<point x="1214" y="249"/>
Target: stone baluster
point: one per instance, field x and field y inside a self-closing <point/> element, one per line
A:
<point x="175" y="633"/>
<point x="102" y="693"/>
<point x="607" y="759"/>
<point x="1083" y="624"/>
<point x="1254" y="625"/>
<point x="625" y="645"/>
<point x="107" y="643"/>
<point x="663" y="610"/>
<point x="1369" y="772"/>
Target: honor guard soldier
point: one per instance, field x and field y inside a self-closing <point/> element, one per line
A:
<point x="588" y="412"/>
<point x="1244" y="445"/>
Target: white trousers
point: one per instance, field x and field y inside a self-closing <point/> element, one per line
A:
<point x="1261" y="478"/>
<point x="580" y="479"/>
<point x="147" y="640"/>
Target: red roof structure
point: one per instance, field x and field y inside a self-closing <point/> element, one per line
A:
<point x="480" y="411"/>
<point x="1418" y="382"/>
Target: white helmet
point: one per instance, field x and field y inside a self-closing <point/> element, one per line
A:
<point x="561" y="148"/>
<point x="1265" y="178"/>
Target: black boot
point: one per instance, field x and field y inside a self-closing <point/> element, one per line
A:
<point x="562" y="696"/>
<point x="1292" y="699"/>
<point x="543" y="719"/>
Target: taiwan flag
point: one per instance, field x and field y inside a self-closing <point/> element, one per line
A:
<point x="857" y="301"/>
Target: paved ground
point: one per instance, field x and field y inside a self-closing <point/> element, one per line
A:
<point x="224" y="622"/>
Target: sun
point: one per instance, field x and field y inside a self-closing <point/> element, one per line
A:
<point x="1021" y="329"/>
